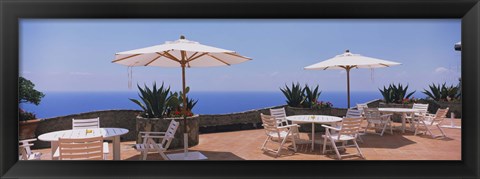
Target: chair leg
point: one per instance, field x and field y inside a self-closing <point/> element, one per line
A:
<point x="294" y="144"/>
<point x="163" y="155"/>
<point x="358" y="148"/>
<point x="281" y="146"/>
<point x="336" y="149"/>
<point x="144" y="155"/>
<point x="383" y="129"/>
<point x="441" y="130"/>
<point x="265" y="143"/>
<point x="366" y="128"/>
<point x="324" y="144"/>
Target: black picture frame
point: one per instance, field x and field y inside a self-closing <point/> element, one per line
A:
<point x="12" y="11"/>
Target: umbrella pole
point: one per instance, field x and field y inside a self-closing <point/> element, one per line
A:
<point x="185" y="128"/>
<point x="348" y="86"/>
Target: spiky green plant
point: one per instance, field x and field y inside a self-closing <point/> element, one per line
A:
<point x="154" y="101"/>
<point x="395" y="93"/>
<point x="442" y="92"/>
<point x="294" y="95"/>
<point x="176" y="103"/>
<point x="311" y="96"/>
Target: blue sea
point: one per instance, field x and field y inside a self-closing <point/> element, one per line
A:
<point x="65" y="103"/>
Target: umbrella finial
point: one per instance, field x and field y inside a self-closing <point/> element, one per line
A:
<point x="182" y="37"/>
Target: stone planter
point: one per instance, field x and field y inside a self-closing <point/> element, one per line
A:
<point x="27" y="129"/>
<point x="307" y="127"/>
<point x="161" y="125"/>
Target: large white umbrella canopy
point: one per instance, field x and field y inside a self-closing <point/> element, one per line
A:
<point x="180" y="53"/>
<point x="348" y="61"/>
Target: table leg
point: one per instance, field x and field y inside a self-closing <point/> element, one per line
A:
<point x="116" y="148"/>
<point x="53" y="148"/>
<point x="404" y="117"/>
<point x="313" y="135"/>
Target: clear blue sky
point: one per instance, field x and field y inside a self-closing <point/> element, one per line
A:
<point x="76" y="55"/>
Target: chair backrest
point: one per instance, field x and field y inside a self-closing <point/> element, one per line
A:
<point x="24" y="148"/>
<point x="81" y="149"/>
<point x="280" y="115"/>
<point x="86" y="123"/>
<point x="353" y="113"/>
<point x="170" y="134"/>
<point x="372" y="114"/>
<point x="350" y="126"/>
<point x="362" y="106"/>
<point x="440" y="115"/>
<point x="423" y="108"/>
<point x="269" y="124"/>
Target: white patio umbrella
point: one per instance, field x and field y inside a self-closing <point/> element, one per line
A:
<point x="180" y="53"/>
<point x="348" y="61"/>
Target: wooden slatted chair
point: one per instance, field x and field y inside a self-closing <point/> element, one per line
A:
<point x="82" y="149"/>
<point x="355" y="113"/>
<point x="374" y="117"/>
<point x="348" y="131"/>
<point x="86" y="123"/>
<point x="281" y="116"/>
<point x="149" y="144"/>
<point x="278" y="134"/>
<point x="25" y="153"/>
<point x="422" y="111"/>
<point x="361" y="107"/>
<point x="430" y="121"/>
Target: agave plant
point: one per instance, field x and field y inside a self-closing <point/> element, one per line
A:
<point x="442" y="92"/>
<point x="395" y="93"/>
<point x="176" y="102"/>
<point x="294" y="95"/>
<point x="311" y="96"/>
<point x="154" y="101"/>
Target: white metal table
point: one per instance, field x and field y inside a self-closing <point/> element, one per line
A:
<point x="107" y="133"/>
<point x="403" y="111"/>
<point x="321" y="119"/>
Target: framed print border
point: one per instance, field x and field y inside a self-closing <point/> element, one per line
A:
<point x="14" y="10"/>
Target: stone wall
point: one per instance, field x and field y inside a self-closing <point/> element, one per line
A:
<point x="206" y="123"/>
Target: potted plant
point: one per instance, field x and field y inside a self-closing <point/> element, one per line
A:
<point x="442" y="96"/>
<point x="159" y="107"/>
<point x="28" y="122"/>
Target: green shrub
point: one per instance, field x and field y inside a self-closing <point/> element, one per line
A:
<point x="176" y="103"/>
<point x="395" y="93"/>
<point x="154" y="101"/>
<point x="311" y="96"/>
<point x="443" y="92"/>
<point x="295" y="96"/>
<point x="28" y="94"/>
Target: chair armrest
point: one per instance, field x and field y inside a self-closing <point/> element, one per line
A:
<point x="330" y="127"/>
<point x="287" y="126"/>
<point x="27" y="140"/>
<point x="153" y="137"/>
<point x="26" y="145"/>
<point x="152" y="132"/>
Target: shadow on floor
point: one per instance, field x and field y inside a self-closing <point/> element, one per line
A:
<point x="377" y="141"/>
<point x="211" y="155"/>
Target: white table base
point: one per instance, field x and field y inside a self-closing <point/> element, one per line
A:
<point x="190" y="156"/>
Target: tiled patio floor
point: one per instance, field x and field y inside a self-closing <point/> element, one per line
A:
<point x="245" y="145"/>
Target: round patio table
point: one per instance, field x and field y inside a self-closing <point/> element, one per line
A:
<point x="321" y="119"/>
<point x="404" y="112"/>
<point x="107" y="133"/>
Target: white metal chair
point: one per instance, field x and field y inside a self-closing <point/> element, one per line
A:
<point x="361" y="107"/>
<point x="92" y="148"/>
<point x="374" y="117"/>
<point x="278" y="134"/>
<point x="149" y="144"/>
<point x="281" y="116"/>
<point x="430" y="121"/>
<point x="25" y="153"/>
<point x="86" y="123"/>
<point x="348" y="131"/>
<point x="422" y="111"/>
<point x="355" y="113"/>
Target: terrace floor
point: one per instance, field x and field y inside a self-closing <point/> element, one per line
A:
<point x="245" y="145"/>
